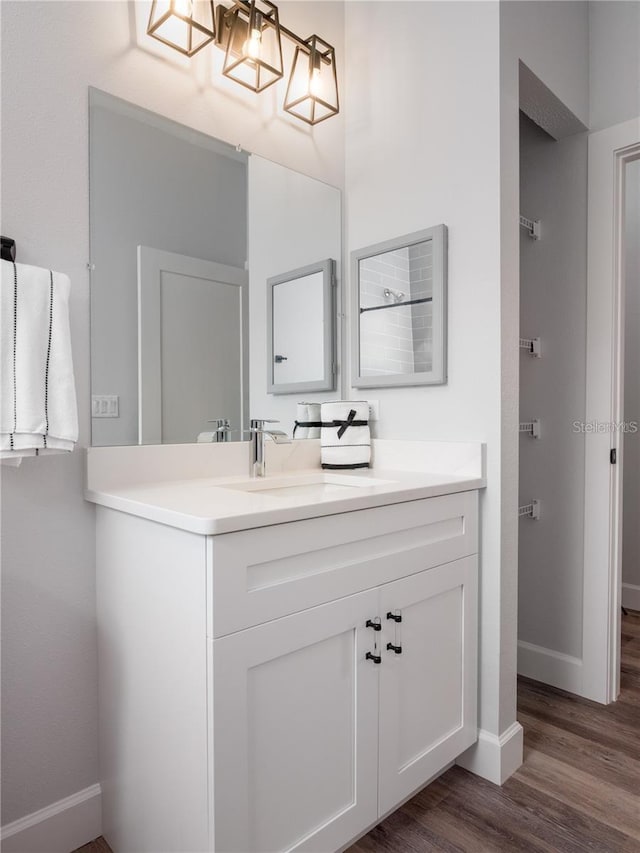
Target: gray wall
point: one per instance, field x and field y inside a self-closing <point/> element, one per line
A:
<point x="614" y="62"/>
<point x="553" y="188"/>
<point x="157" y="184"/>
<point x="631" y="525"/>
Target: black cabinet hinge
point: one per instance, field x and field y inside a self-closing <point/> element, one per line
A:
<point x="613" y="456"/>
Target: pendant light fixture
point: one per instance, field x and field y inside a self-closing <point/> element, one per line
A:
<point x="312" y="91"/>
<point x="185" y="25"/>
<point x="250" y="34"/>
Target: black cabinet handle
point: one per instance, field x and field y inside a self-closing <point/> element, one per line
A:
<point x="396" y="649"/>
<point x="397" y="617"/>
<point x="374" y="658"/>
<point x="377" y="626"/>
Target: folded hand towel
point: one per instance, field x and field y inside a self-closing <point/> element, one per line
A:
<point x="345" y="439"/>
<point x="307" y="424"/>
<point x="38" y="411"/>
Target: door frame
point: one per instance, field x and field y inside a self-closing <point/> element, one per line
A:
<point x="609" y="152"/>
<point x="151" y="264"/>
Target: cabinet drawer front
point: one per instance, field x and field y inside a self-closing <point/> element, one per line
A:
<point x="259" y="575"/>
<point x="295" y="728"/>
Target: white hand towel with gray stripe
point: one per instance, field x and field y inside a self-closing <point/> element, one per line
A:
<point x="38" y="411"/>
<point x="345" y="438"/>
<point x="307" y="423"/>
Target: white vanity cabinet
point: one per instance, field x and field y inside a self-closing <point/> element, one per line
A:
<point x="244" y="709"/>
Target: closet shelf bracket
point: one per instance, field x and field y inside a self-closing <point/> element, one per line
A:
<point x="532" y="226"/>
<point x="532" y="345"/>
<point x="531" y="428"/>
<point x="531" y="510"/>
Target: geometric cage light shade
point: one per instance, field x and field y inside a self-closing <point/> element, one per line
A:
<point x="185" y="25"/>
<point x="250" y="34"/>
<point x="253" y="54"/>
<point x="312" y="91"/>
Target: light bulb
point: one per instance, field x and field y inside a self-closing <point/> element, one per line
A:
<point x="251" y="47"/>
<point x="183" y="7"/>
<point x="315" y="82"/>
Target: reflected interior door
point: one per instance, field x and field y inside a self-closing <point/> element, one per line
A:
<point x="192" y="345"/>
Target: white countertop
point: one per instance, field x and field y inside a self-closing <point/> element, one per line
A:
<point x="222" y="504"/>
<point x="209" y="506"/>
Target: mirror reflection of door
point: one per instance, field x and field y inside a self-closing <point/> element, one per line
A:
<point x="191" y="323"/>
<point x="298" y="330"/>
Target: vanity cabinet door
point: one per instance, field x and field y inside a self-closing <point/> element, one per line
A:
<point x="295" y="730"/>
<point x="427" y="690"/>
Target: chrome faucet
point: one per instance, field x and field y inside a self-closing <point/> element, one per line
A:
<point x="258" y="433"/>
<point x="221" y="430"/>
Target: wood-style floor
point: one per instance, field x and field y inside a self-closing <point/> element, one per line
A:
<point x="578" y="790"/>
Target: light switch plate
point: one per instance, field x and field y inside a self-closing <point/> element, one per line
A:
<point x="105" y="406"/>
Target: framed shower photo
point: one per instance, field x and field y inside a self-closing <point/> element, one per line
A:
<point x="399" y="311"/>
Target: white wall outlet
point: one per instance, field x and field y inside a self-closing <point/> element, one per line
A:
<point x="105" y="406"/>
<point x="374" y="410"/>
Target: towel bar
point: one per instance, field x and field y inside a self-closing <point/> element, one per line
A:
<point x="8" y="249"/>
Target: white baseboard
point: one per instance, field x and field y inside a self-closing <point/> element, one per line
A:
<point x="58" y="828"/>
<point x="495" y="757"/>
<point x="550" y="667"/>
<point x="631" y="596"/>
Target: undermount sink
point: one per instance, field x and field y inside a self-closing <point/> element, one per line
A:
<point x="311" y="485"/>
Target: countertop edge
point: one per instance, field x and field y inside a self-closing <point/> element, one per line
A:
<point x="218" y="526"/>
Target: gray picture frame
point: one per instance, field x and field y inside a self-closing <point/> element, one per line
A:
<point x="438" y="235"/>
<point x="327" y="268"/>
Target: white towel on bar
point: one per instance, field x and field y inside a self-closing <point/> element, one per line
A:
<point x="38" y="409"/>
<point x="307" y="413"/>
<point x="344" y="445"/>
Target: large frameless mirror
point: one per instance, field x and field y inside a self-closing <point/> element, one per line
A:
<point x="186" y="232"/>
<point x="399" y="311"/>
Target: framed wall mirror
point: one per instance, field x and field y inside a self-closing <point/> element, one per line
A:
<point x="301" y="348"/>
<point x="399" y="311"/>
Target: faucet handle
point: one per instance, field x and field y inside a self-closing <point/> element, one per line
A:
<point x="258" y="423"/>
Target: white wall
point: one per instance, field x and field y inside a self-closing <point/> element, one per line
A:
<point x="631" y="528"/>
<point x="294" y="221"/>
<point x="614" y="69"/>
<point x="553" y="299"/>
<point x="423" y="148"/>
<point x="51" y="53"/>
<point x="551" y="38"/>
